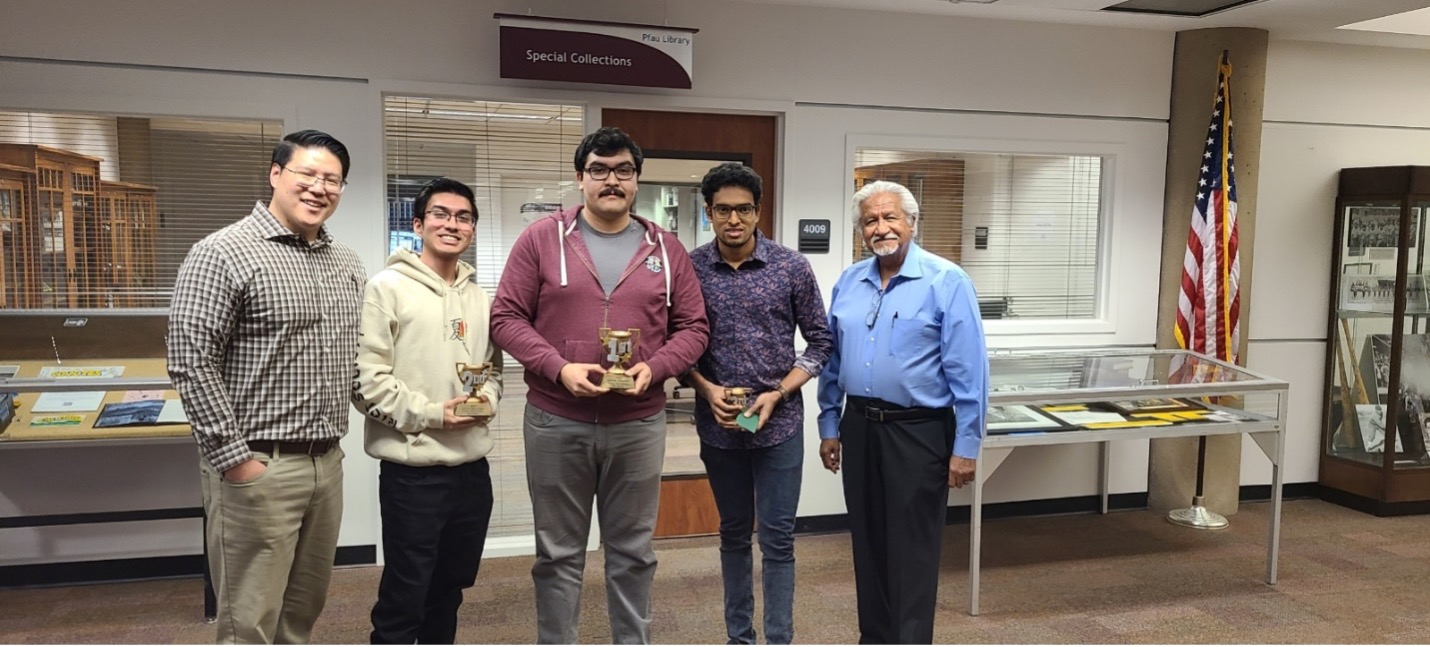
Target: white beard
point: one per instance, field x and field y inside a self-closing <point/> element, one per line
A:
<point x="885" y="247"/>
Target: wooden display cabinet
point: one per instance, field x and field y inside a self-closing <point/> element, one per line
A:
<point x="128" y="219"/>
<point x="64" y="222"/>
<point x="1377" y="406"/>
<point x="17" y="205"/>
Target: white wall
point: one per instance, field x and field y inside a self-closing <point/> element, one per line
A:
<point x="807" y="65"/>
<point x="1328" y="107"/>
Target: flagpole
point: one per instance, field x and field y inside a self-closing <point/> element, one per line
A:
<point x="1197" y="516"/>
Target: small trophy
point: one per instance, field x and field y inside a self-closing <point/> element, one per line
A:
<point x="619" y="345"/>
<point x="473" y="376"/>
<point x="740" y="397"/>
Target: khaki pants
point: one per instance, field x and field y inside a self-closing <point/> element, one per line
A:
<point x="271" y="544"/>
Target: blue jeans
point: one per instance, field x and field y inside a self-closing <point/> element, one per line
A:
<point x="763" y="483"/>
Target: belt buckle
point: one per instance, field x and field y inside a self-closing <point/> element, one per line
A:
<point x="878" y="414"/>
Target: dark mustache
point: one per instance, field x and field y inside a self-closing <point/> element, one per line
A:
<point x="612" y="191"/>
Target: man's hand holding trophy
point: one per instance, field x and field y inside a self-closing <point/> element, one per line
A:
<point x="620" y="346"/>
<point x="473" y="407"/>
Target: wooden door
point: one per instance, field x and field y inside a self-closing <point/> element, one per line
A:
<point x="698" y="135"/>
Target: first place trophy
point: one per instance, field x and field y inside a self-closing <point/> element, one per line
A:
<point x="619" y="345"/>
<point x="473" y="377"/>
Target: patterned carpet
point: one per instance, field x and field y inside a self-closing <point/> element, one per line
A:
<point x="1129" y="577"/>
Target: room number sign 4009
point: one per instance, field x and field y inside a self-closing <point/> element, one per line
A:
<point x="814" y="236"/>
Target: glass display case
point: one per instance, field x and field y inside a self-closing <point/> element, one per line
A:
<point x="1378" y="361"/>
<point x="1081" y="396"/>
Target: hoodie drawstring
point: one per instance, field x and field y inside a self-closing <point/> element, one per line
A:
<point x="561" y="233"/>
<point x="665" y="258"/>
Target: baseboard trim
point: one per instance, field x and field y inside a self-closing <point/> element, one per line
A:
<point x="1372" y="506"/>
<point x="139" y="568"/>
<point x="960" y="514"/>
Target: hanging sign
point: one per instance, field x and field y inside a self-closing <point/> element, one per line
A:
<point x="587" y="51"/>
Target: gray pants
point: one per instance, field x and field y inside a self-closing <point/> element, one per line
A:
<point x="568" y="463"/>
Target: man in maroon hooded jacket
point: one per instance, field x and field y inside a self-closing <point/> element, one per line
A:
<point x="568" y="276"/>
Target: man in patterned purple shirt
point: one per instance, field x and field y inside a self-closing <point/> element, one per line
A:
<point x="756" y="292"/>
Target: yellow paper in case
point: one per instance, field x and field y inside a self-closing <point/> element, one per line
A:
<point x="1126" y="424"/>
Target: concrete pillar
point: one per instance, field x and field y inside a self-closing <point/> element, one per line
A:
<point x="1172" y="468"/>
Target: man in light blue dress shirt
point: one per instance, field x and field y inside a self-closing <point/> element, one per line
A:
<point x="902" y="402"/>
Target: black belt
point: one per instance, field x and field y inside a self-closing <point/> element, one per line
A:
<point x="880" y="411"/>
<point x="309" y="447"/>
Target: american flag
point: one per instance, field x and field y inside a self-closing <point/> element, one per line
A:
<point x="1209" y="308"/>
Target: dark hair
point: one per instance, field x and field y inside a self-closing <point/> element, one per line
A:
<point x="283" y="152"/>
<point x="605" y="142"/>
<point x="442" y="185"/>
<point x="730" y="174"/>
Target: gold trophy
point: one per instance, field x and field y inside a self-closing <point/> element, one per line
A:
<point x="619" y="345"/>
<point x="473" y="376"/>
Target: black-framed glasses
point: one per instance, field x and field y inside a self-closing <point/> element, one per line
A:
<point x="463" y="218"/>
<point x="601" y="172"/>
<point x="309" y="179"/>
<point x="745" y="211"/>
<point x="874" y="309"/>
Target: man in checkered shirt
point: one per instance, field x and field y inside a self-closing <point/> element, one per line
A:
<point x="262" y="338"/>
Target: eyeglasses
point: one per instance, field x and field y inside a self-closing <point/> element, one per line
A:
<point x="309" y="179"/>
<point x="746" y="211"/>
<point x="463" y="218"/>
<point x="599" y="172"/>
<point x="874" y="309"/>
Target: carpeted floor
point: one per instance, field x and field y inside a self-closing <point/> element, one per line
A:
<point x="1129" y="577"/>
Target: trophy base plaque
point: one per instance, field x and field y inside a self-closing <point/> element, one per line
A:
<point x="618" y="381"/>
<point x="474" y="408"/>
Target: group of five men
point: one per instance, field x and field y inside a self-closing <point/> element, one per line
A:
<point x="269" y="313"/>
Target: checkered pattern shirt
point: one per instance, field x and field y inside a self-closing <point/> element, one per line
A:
<point x="263" y="333"/>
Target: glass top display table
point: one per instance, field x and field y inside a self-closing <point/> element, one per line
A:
<point x="1099" y="396"/>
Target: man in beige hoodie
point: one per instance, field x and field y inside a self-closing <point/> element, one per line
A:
<point x="421" y="317"/>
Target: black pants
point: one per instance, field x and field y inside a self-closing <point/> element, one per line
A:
<point x="434" y="526"/>
<point x="896" y="490"/>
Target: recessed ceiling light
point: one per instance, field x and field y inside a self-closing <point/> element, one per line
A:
<point x="1190" y="8"/>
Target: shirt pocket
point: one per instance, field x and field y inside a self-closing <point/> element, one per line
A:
<point x="342" y="297"/>
<point x="914" y="337"/>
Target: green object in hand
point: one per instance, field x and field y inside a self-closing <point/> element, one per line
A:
<point x="748" y="422"/>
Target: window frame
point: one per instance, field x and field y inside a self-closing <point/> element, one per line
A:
<point x="1104" y="320"/>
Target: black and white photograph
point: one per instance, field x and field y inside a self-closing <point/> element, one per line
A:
<point x="1377" y="227"/>
<point x="1369" y="293"/>
<point x="1370" y="418"/>
<point x="1002" y="420"/>
<point x="1153" y="405"/>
